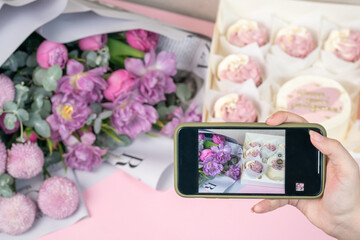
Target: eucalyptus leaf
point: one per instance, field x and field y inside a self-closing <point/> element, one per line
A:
<point x="23" y="115"/>
<point x="90" y="57"/>
<point x="105" y="114"/>
<point x="6" y="192"/>
<point x="42" y="128"/>
<point x="9" y="121"/>
<point x="6" y="179"/>
<point x="33" y="117"/>
<point x="1" y="111"/>
<point x="183" y="92"/>
<point x="96" y="108"/>
<point x="21" y="93"/>
<point x="10" y="106"/>
<point x="97" y="125"/>
<point x="38" y="100"/>
<point x="74" y="54"/>
<point x="19" y="79"/>
<point x="11" y="64"/>
<point x="90" y="119"/>
<point x="20" y="57"/>
<point x="31" y="61"/>
<point x="39" y="75"/>
<point x="53" y="75"/>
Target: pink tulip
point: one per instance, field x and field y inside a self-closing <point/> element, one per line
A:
<point x="94" y="43"/>
<point x="51" y="53"/>
<point x="142" y="40"/>
<point x="120" y="81"/>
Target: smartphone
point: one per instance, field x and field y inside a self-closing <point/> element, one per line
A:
<point x="248" y="160"/>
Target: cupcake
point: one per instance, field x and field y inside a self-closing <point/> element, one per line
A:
<point x="253" y="154"/>
<point x="295" y="41"/>
<point x="268" y="149"/>
<point x="276" y="168"/>
<point x="345" y="44"/>
<point x="238" y="68"/>
<point x="245" y="32"/>
<point x="254" y="144"/>
<point x="254" y="168"/>
<point x="235" y="108"/>
<point x="281" y="151"/>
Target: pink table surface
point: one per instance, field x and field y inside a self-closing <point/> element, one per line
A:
<point x="121" y="207"/>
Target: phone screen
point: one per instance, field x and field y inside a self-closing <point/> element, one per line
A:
<point x="215" y="159"/>
<point x="241" y="161"/>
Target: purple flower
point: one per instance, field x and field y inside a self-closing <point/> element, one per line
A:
<point x="201" y="137"/>
<point x="69" y="115"/>
<point x="218" y="139"/>
<point x="155" y="80"/>
<point x="179" y="117"/>
<point x="212" y="167"/>
<point x="86" y="85"/>
<point x="234" y="172"/>
<point x="81" y="154"/>
<point x="206" y="153"/>
<point x="131" y="116"/>
<point x="222" y="153"/>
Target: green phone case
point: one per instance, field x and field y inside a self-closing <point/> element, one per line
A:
<point x="252" y="125"/>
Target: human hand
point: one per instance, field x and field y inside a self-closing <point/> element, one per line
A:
<point x="337" y="212"/>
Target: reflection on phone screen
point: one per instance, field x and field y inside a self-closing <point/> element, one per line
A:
<point x="241" y="161"/>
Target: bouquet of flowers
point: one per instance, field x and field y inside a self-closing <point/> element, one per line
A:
<point x="70" y="103"/>
<point x="218" y="155"/>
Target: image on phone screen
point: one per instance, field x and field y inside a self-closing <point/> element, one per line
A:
<point x="246" y="161"/>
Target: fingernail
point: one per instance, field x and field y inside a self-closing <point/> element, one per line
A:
<point x="316" y="136"/>
<point x="252" y="210"/>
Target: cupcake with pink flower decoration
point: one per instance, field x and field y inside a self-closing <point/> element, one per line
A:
<point x="295" y="41"/>
<point x="3" y="157"/>
<point x="254" y="168"/>
<point x="235" y="108"/>
<point x="17" y="214"/>
<point x="58" y="197"/>
<point x="245" y="32"/>
<point x="268" y="150"/>
<point x="254" y="144"/>
<point x="253" y="154"/>
<point x="238" y="68"/>
<point x="344" y="44"/>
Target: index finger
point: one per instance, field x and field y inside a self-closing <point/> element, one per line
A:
<point x="283" y="117"/>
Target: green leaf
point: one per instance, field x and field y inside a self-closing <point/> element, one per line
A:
<point x="6" y="179"/>
<point x="183" y="92"/>
<point x="23" y="115"/>
<point x="9" y="121"/>
<point x="105" y="114"/>
<point x="53" y="75"/>
<point x="90" y="58"/>
<point x="119" y="51"/>
<point x="11" y="64"/>
<point x="10" y="106"/>
<point x="1" y="111"/>
<point x="33" y="117"/>
<point x="39" y="75"/>
<point x="208" y="144"/>
<point x="38" y="100"/>
<point x="42" y="128"/>
<point x="19" y="79"/>
<point x="96" y="108"/>
<point x="97" y="125"/>
<point x="6" y="192"/>
<point x="20" y="58"/>
<point x="74" y="54"/>
<point x="31" y="61"/>
<point x="21" y="93"/>
<point x="90" y="119"/>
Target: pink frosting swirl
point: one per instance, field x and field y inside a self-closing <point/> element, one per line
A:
<point x="241" y="111"/>
<point x="243" y="72"/>
<point x="296" y="45"/>
<point x="256" y="166"/>
<point x="349" y="48"/>
<point x="245" y="37"/>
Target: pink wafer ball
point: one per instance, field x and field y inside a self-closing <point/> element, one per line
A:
<point x="7" y="90"/>
<point x="17" y="214"/>
<point x="25" y="160"/>
<point x="58" y="197"/>
<point x="3" y="157"/>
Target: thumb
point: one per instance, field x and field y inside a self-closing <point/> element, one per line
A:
<point x="334" y="150"/>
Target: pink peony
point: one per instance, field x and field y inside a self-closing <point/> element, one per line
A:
<point x="17" y="214"/>
<point x="94" y="43"/>
<point x="142" y="40"/>
<point x="51" y="53"/>
<point x="7" y="90"/>
<point x="120" y="81"/>
<point x="58" y="197"/>
<point x="206" y="153"/>
<point x="25" y="160"/>
<point x="3" y="157"/>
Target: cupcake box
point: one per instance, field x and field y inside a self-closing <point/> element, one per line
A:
<point x="256" y="178"/>
<point x="278" y="67"/>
